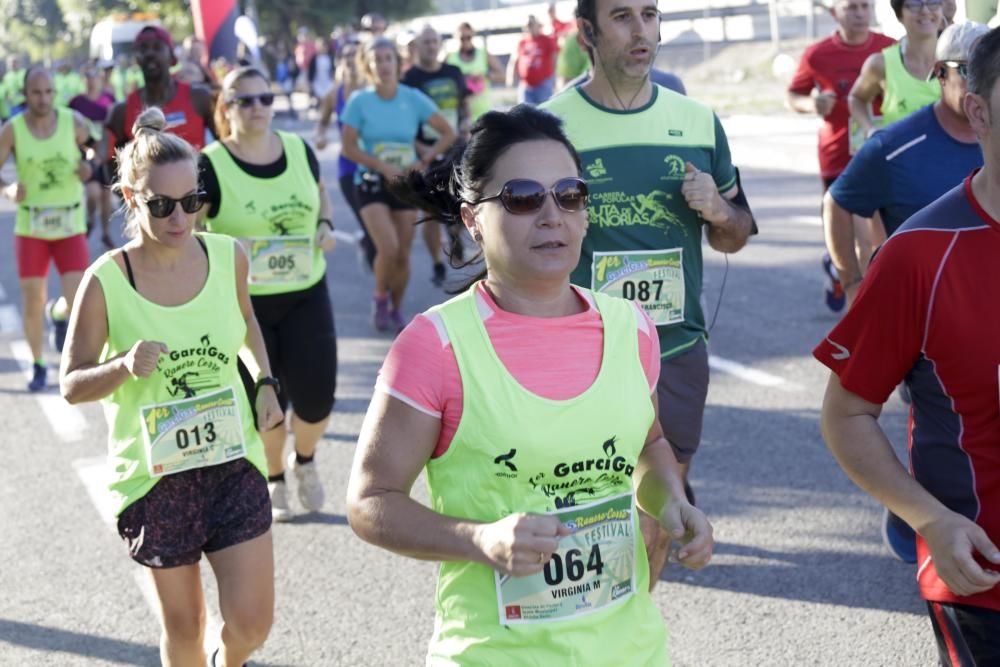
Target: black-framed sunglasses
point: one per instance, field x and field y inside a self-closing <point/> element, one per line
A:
<point x="246" y="101"/>
<point x="916" y="5"/>
<point x="960" y="66"/>
<point x="161" y="207"/>
<point x="521" y="196"/>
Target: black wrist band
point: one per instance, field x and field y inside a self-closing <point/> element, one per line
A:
<point x="267" y="381"/>
<point x="327" y="222"/>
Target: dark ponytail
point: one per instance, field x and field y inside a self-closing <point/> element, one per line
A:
<point x="440" y="190"/>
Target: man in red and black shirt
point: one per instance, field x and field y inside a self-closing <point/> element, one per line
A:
<point x="926" y="312"/>
<point x="824" y="78"/>
<point x="188" y="109"/>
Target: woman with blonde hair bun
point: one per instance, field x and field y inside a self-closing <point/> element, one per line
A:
<point x="155" y="336"/>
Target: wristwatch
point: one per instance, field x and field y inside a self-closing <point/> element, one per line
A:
<point x="267" y="381"/>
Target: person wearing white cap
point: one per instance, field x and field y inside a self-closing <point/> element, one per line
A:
<point x="897" y="172"/>
<point x="920" y="315"/>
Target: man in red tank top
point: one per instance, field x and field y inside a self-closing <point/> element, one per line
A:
<point x="188" y="108"/>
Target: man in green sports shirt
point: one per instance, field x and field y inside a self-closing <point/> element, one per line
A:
<point x="659" y="172"/>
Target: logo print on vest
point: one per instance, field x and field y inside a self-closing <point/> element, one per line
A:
<point x="571" y="482"/>
<point x="194" y="369"/>
<point x="507" y="460"/>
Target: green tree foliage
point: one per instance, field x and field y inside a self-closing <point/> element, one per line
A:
<point x="281" y="18"/>
<point x="56" y="28"/>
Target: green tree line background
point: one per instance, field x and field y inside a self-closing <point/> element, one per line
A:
<point x="61" y="28"/>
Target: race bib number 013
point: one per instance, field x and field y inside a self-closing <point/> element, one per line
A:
<point x="56" y="222"/>
<point x="654" y="279"/>
<point x="280" y="260"/>
<point x="192" y="433"/>
<point x="593" y="568"/>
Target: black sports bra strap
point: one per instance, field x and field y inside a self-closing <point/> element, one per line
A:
<point x="128" y="269"/>
<point x="128" y="264"/>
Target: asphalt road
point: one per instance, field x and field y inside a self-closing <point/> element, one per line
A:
<point x="800" y="576"/>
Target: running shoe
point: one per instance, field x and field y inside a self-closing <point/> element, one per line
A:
<point x="280" y="511"/>
<point x="381" y="319"/>
<point x="899" y="538"/>
<point x="439" y="274"/>
<point x="836" y="299"/>
<point x="60" y="324"/>
<point x="311" y="493"/>
<point x="38" y="373"/>
<point x="398" y="321"/>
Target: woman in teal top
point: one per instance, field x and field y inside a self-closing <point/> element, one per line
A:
<point x="379" y="134"/>
<point x="155" y="337"/>
<point x="534" y="498"/>
<point x="263" y="187"/>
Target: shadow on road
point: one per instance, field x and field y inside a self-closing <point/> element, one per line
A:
<point x="767" y="469"/>
<point x="857" y="580"/>
<point x="318" y="518"/>
<point x="50" y="640"/>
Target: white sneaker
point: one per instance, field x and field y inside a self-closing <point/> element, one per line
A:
<point x="311" y="493"/>
<point x="280" y="511"/>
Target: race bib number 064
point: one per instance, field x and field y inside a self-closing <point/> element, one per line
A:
<point x="654" y="279"/>
<point x="592" y="569"/>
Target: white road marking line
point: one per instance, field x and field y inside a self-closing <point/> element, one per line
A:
<point x="751" y="375"/>
<point x="10" y="319"/>
<point x="812" y="220"/>
<point x="94" y="474"/>
<point x="348" y="237"/>
<point x="66" y="420"/>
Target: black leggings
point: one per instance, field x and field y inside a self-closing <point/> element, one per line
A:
<point x="350" y="192"/>
<point x="301" y="345"/>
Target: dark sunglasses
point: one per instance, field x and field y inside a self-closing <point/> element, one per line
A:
<point x="161" y="207"/>
<point x="246" y="101"/>
<point x="959" y="66"/>
<point x="522" y="196"/>
<point x="916" y="5"/>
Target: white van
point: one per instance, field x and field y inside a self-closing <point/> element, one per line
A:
<point x="114" y="35"/>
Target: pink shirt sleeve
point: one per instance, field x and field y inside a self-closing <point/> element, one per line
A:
<point x="421" y="370"/>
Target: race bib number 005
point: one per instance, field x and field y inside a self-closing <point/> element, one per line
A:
<point x="192" y="433"/>
<point x="654" y="279"/>
<point x="280" y="260"/>
<point x="593" y="568"/>
<point x="56" y="222"/>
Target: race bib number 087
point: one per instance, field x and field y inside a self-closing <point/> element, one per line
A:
<point x="654" y="279"/>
